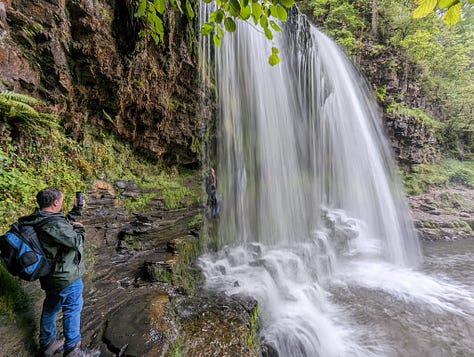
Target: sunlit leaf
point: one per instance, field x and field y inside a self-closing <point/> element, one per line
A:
<point x="189" y="9"/>
<point x="160" y="5"/>
<point x="287" y="3"/>
<point x="274" y="26"/>
<point x="256" y="11"/>
<point x="141" y="8"/>
<point x="234" y="7"/>
<point x="273" y="59"/>
<point x="426" y="7"/>
<point x="245" y="12"/>
<point x="244" y="3"/>
<point x="206" y="28"/>
<point x="274" y="11"/>
<point x="444" y="4"/>
<point x="268" y="33"/>
<point x="216" y="39"/>
<point x="453" y="15"/>
<point x="275" y="50"/>
<point x="264" y="21"/>
<point x="281" y="13"/>
<point x="220" y="33"/>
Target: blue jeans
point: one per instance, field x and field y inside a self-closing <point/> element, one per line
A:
<point x="70" y="301"/>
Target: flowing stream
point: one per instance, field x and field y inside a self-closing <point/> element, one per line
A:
<point x="313" y="221"/>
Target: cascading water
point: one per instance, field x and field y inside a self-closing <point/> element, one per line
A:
<point x="312" y="214"/>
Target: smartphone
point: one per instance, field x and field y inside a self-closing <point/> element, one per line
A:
<point x="79" y="199"/>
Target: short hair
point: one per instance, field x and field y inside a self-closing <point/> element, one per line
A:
<point x="46" y="196"/>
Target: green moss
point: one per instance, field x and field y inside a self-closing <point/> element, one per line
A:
<point x="11" y="295"/>
<point x="46" y="156"/>
<point x="176" y="348"/>
<point x="420" y="116"/>
<point x="460" y="224"/>
<point x="251" y="339"/>
<point x="429" y="224"/>
<point x="159" y="273"/>
<point x="197" y="220"/>
<point x="448" y="173"/>
<point x="141" y="203"/>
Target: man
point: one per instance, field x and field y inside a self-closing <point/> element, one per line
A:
<point x="62" y="239"/>
<point x="211" y="189"/>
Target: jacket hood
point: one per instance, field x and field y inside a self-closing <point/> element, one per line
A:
<point x="37" y="216"/>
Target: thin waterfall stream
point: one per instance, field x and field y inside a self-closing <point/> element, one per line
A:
<point x="313" y="219"/>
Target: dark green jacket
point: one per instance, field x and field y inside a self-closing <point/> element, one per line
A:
<point x="62" y="242"/>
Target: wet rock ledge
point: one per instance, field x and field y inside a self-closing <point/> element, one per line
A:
<point x="142" y="294"/>
<point x="444" y="214"/>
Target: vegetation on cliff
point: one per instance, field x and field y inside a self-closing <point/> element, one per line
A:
<point x="35" y="152"/>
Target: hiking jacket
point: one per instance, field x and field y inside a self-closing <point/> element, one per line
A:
<point x="63" y="243"/>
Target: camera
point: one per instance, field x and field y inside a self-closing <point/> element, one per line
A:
<point x="79" y="199"/>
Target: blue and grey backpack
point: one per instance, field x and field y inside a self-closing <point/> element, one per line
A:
<point x="22" y="252"/>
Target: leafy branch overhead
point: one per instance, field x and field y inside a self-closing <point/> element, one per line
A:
<point x="450" y="10"/>
<point x="152" y="11"/>
<point x="264" y="13"/>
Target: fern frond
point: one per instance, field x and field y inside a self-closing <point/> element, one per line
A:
<point x="18" y="97"/>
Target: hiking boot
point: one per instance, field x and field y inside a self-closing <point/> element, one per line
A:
<point x="78" y="351"/>
<point x="50" y="349"/>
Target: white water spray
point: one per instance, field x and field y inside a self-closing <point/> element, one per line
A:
<point x="308" y="189"/>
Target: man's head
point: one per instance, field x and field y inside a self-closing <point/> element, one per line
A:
<point x="50" y="199"/>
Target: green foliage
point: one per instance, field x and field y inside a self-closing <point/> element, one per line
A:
<point x="264" y="14"/>
<point x="196" y="221"/>
<point x="341" y="19"/>
<point x="11" y="295"/>
<point x="450" y="9"/>
<point x="176" y="348"/>
<point x="19" y="109"/>
<point x="46" y="158"/>
<point x="447" y="173"/>
<point x="251" y="339"/>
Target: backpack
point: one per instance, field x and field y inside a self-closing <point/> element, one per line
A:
<point x="22" y="252"/>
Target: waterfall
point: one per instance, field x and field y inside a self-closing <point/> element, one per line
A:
<point x="310" y="196"/>
<point x="301" y="140"/>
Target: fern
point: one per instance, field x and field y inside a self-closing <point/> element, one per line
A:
<point x="18" y="97"/>
<point x="18" y="107"/>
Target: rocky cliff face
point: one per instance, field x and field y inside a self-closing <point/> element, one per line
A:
<point x="85" y="59"/>
<point x="397" y="80"/>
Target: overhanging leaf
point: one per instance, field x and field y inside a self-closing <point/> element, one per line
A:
<point x="273" y="59"/>
<point x="234" y="8"/>
<point x="453" y="15"/>
<point x="160" y="5"/>
<point x="217" y="40"/>
<point x="245" y="12"/>
<point x="256" y="11"/>
<point x="268" y="33"/>
<point x="189" y="9"/>
<point x="141" y="8"/>
<point x="281" y="13"/>
<point x="444" y="4"/>
<point x="229" y="24"/>
<point x="287" y="3"/>
<point x="206" y="28"/>
<point x="274" y="26"/>
<point x="426" y="7"/>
